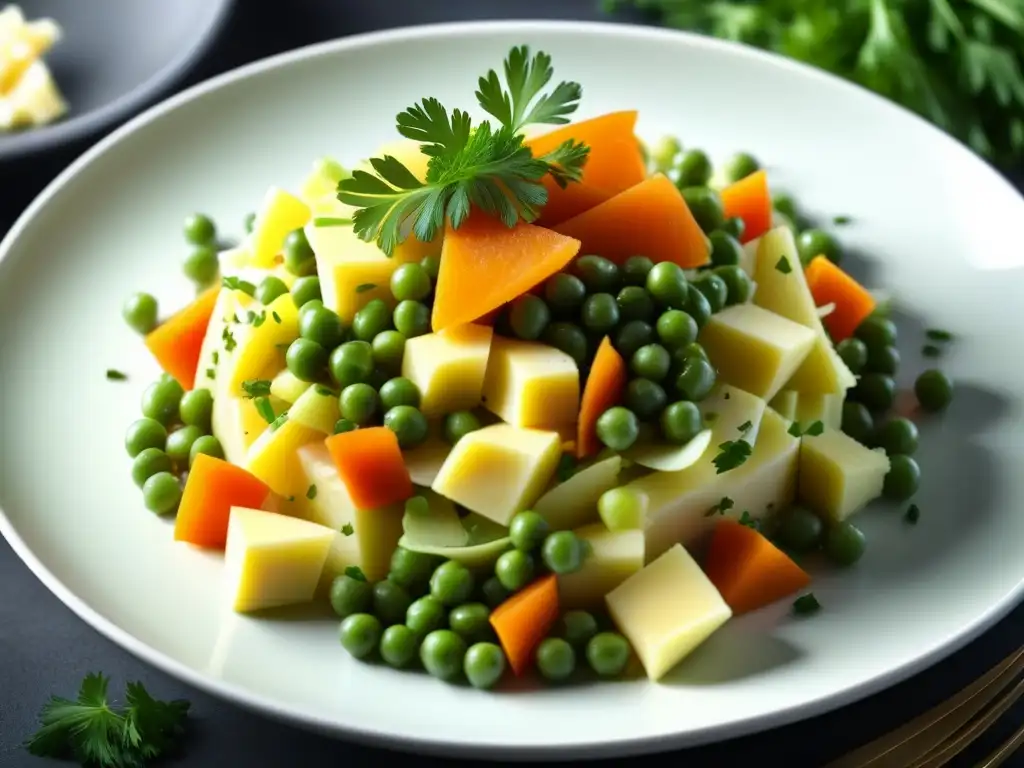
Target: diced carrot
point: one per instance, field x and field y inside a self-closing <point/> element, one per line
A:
<point x="370" y="464"/>
<point x="176" y="342"/>
<point x="750" y="200"/>
<point x="484" y="264"/>
<point x="213" y="487"/>
<point x="748" y="570"/>
<point x="603" y="389"/>
<point x="650" y="219"/>
<point x="525" y="619"/>
<point x="830" y="285"/>
<point x="614" y="164"/>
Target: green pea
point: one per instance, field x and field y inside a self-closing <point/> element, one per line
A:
<point x="785" y="205"/>
<point x="179" y="443"/>
<point x="739" y="166"/>
<point x="598" y="274"/>
<point x="883" y="360"/>
<point x="738" y="284"/>
<point x="484" y="664"/>
<point x="714" y="289"/>
<point x="697" y="306"/>
<point x="696" y="379"/>
<point x="140" y="312"/>
<point x="726" y="250"/>
<point x="359" y="634"/>
<point x="409" y="425"/>
<point x="877" y="332"/>
<point x="577" y="627"/>
<point x="161" y="493"/>
<point x="564" y="293"/>
<point x="854" y="353"/>
<point x="529" y="317"/>
<point x="207" y="445"/>
<point x="425" y="615"/>
<point x="196" y="409"/>
<point x="844" y="543"/>
<point x="681" y="354"/>
<point x="443" y="653"/>
<point x="676" y="329"/>
<point x="147" y="463"/>
<point x="321" y="325"/>
<point x="933" y="389"/>
<point x="459" y="424"/>
<point x="694" y="169"/>
<point x="556" y="660"/>
<point x="451" y="583"/>
<point x="390" y="602"/>
<point x="470" y="621"/>
<point x="412" y="319"/>
<point x="410" y="569"/>
<point x="600" y="313"/>
<point x="562" y="552"/>
<point x="876" y="390"/>
<point x="635" y="303"/>
<point x="201" y="266"/>
<point x="667" y="283"/>
<point x="358" y="403"/>
<point x="410" y="282"/>
<point x="199" y="229"/>
<point x="372" y="320"/>
<point x="618" y="428"/>
<point x="607" y="653"/>
<point x="305" y="290"/>
<point x="349" y="596"/>
<point x="399" y="391"/>
<point x="706" y="207"/>
<point x="298" y="254"/>
<point x="494" y="593"/>
<point x="514" y="570"/>
<point x="903" y="478"/>
<point x="161" y="400"/>
<point x="651" y="361"/>
<point x="388" y="349"/>
<point x="305" y="359"/>
<point x="351" y="363"/>
<point x="800" y="530"/>
<point x="432" y="266"/>
<point x="645" y="398"/>
<point x="143" y="434"/>
<point x="664" y="152"/>
<point x="527" y="531"/>
<point x="681" y="422"/>
<point x="398" y="646"/>
<point x="271" y="288"/>
<point x="248" y="221"/>
<point x="568" y="338"/>
<point x="897" y="435"/>
<point x="858" y="422"/>
<point x="631" y="336"/>
<point x="635" y="270"/>
<point x="817" y="242"/>
<point x="734" y="227"/>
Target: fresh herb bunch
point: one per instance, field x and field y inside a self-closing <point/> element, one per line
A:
<point x="480" y="165"/>
<point x="957" y="63"/>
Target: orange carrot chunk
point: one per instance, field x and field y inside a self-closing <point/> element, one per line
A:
<point x="830" y="285"/>
<point x="176" y="343"/>
<point x="750" y="200"/>
<point x="370" y="464"/>
<point x="603" y="389"/>
<point x="748" y="570"/>
<point x="650" y="218"/>
<point x="525" y="619"/>
<point x="614" y="164"/>
<point x="484" y="264"/>
<point x="214" y="486"/>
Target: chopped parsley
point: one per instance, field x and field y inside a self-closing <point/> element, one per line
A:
<point x="277" y="317"/>
<point x="937" y="334"/>
<point x="211" y="374"/>
<point x="732" y="454"/>
<point x="750" y="521"/>
<point x="720" y="508"/>
<point x="745" y="426"/>
<point x="727" y="396"/>
<point x="215" y="357"/>
<point x="115" y="375"/>
<point x="566" y="467"/>
<point x="257" y="320"/>
<point x="841" y="220"/>
<point x="913" y="514"/>
<point x="931" y="350"/>
<point x="256" y="388"/>
<point x="236" y="284"/>
<point x="814" y="429"/>
<point x="784" y="266"/>
<point x="265" y="409"/>
<point x="710" y="417"/>
<point x="805" y="605"/>
<point x="354" y="571"/>
<point x="229" y="340"/>
<point x="347" y="529"/>
<point x="311" y="493"/>
<point x="364" y="287"/>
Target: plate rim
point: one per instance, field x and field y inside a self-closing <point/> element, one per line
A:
<point x="378" y="736"/>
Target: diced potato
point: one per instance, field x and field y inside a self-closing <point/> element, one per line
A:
<point x="666" y="457"/>
<point x="316" y="408"/>
<point x="272" y="560"/>
<point x="238" y="263"/>
<point x="439" y="525"/>
<point x="785" y="403"/>
<point x="531" y="385"/>
<point x="426" y="459"/>
<point x="366" y="538"/>
<point x="732" y="414"/>
<point x="749" y="259"/>
<point x="499" y="470"/>
<point x="257" y="347"/>
<point x="838" y="475"/>
<point x="212" y="352"/>
<point x="449" y="368"/>
<point x="237" y="423"/>
<point x="322" y="181"/>
<point x="288" y="387"/>
<point x="828" y="409"/>
<point x="574" y="503"/>
<point x="614" y="557"/>
<point x="754" y="349"/>
<point x="279" y="214"/>
<point x="666" y="610"/>
<point x="352" y="271"/>
<point x="407" y="152"/>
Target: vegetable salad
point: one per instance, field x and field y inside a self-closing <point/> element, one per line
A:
<point x="517" y="404"/>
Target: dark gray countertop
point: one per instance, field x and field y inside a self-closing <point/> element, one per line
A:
<point x="45" y="649"/>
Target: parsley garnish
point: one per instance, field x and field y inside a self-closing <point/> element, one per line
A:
<point x="728" y="395"/>
<point x="930" y="350"/>
<point x="215" y="357"/>
<point x="265" y="409"/>
<point x="814" y="429"/>
<point x="211" y="374"/>
<point x="937" y="334"/>
<point x="354" y="571"/>
<point x="750" y="521"/>
<point x="806" y="605"/>
<point x="720" y="508"/>
<point x="347" y="529"/>
<point x="256" y="388"/>
<point x="913" y="514"/>
<point x="482" y="166"/>
<point x="732" y="454"/>
<point x="277" y="317"/>
<point x="364" y="287"/>
<point x="745" y="426"/>
<point x="311" y="493"/>
<point x="258" y="320"/>
<point x="784" y="266"/>
<point x="95" y="733"/>
<point x="710" y="417"/>
<point x="331" y="221"/>
<point x="229" y="340"/>
<point x="236" y="284"/>
<point x="566" y="467"/>
<point x="115" y="375"/>
<point x="841" y="220"/>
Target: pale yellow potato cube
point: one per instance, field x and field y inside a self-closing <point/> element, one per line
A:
<point x="288" y="387"/>
<point x="529" y="384"/>
<point x="352" y="272"/>
<point x="322" y="181"/>
<point x="272" y="560"/>
<point x="273" y="458"/>
<point x="838" y="475"/>
<point x="574" y="503"/>
<point x="237" y="423"/>
<point x="666" y="610"/>
<point x="754" y="349"/>
<point x="278" y="215"/>
<point x="449" y="367"/>
<point x="828" y="409"/>
<point x="317" y="408"/>
<point x="255" y="346"/>
<point x="614" y="556"/>
<point x="212" y="353"/>
<point x="499" y="470"/>
<point x="785" y="403"/>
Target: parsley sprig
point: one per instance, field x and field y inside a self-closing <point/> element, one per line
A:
<point x="485" y="166"/>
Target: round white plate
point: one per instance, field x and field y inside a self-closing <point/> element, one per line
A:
<point x="936" y="227"/>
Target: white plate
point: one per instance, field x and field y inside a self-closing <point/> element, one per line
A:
<point x="940" y="230"/>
